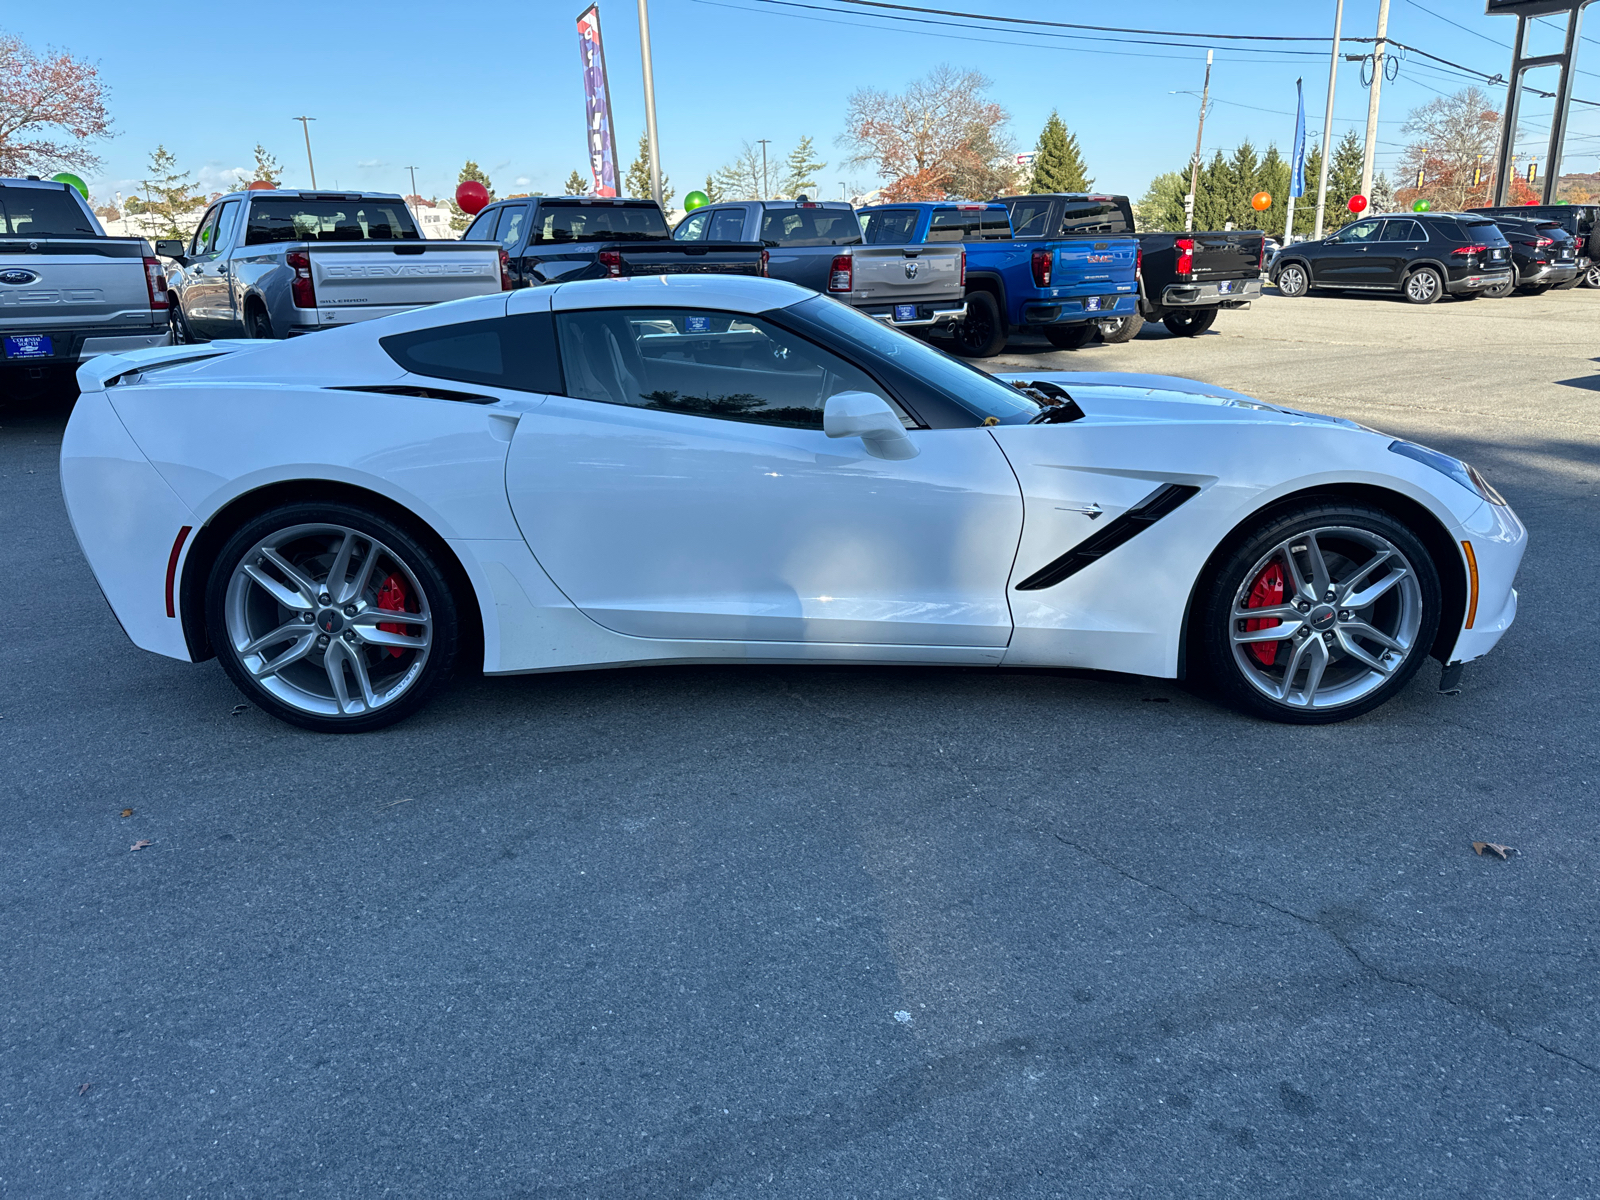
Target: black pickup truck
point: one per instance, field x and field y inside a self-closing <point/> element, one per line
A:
<point x="1184" y="278"/>
<point x="549" y="239"/>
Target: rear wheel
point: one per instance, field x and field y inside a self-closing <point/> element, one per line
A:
<point x="1591" y="276"/>
<point x="982" y="332"/>
<point x="1293" y="281"/>
<point x="1070" y="337"/>
<point x="1499" y="291"/>
<point x="1121" y="329"/>
<point x="1323" y="613"/>
<point x="331" y="617"/>
<point x="1423" y="286"/>
<point x="1191" y="322"/>
<point x="1537" y="289"/>
<point x="256" y="322"/>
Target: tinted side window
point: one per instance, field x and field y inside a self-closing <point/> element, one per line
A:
<point x="226" y="220"/>
<point x="509" y="231"/>
<point x="41" y="212"/>
<point x="1360" y="232"/>
<point x="727" y="225"/>
<point x="1028" y="217"/>
<point x="970" y="223"/>
<point x="693" y="227"/>
<point x="201" y="243"/>
<point x="888" y="226"/>
<point x="810" y="227"/>
<point x="704" y="364"/>
<point x="1402" y="231"/>
<point x="482" y="230"/>
<point x="509" y="352"/>
<point x="1092" y="216"/>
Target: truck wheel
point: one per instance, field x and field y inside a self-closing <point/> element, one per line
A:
<point x="1190" y="323"/>
<point x="1069" y="337"/>
<point x="982" y="333"/>
<point x="1121" y="329"/>
<point x="182" y="335"/>
<point x="256" y="322"/>
<point x="1424" y="286"/>
<point x="1293" y="281"/>
<point x="1591" y="277"/>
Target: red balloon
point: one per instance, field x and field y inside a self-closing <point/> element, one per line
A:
<point x="1358" y="203"/>
<point x="471" y="197"/>
<point x="262" y="185"/>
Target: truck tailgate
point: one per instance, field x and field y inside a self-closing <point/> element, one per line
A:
<point x="1226" y="255"/>
<point x="74" y="282"/>
<point x="691" y="258"/>
<point x="385" y="274"/>
<point x="1081" y="260"/>
<point x="889" y="273"/>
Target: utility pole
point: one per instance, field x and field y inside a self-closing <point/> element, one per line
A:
<point x="1327" y="122"/>
<point x="763" y="142"/>
<point x="650" y="103"/>
<point x="1372" y="98"/>
<point x="844" y="191"/>
<point x="307" y="129"/>
<point x="414" y="191"/>
<point x="1194" y="167"/>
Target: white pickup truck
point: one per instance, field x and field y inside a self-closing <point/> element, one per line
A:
<point x="67" y="291"/>
<point x="274" y="264"/>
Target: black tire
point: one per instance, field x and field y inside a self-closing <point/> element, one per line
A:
<point x="257" y="324"/>
<point x="178" y="324"/>
<point x="1225" y="664"/>
<point x="1070" y="337"/>
<point x="1569" y="284"/>
<point x="1499" y="291"/>
<point x="982" y="332"/>
<point x="1469" y="296"/>
<point x="1293" y="280"/>
<point x="1422" y="286"/>
<point x="1190" y="322"/>
<point x="1537" y="289"/>
<point x="400" y="548"/>
<point x="1123" y="329"/>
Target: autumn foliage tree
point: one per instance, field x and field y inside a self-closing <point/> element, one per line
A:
<point x="940" y="137"/>
<point x="1456" y="137"/>
<point x="51" y="108"/>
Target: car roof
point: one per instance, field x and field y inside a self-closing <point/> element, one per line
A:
<point x="732" y="293"/>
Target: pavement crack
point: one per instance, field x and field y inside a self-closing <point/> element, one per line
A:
<point x="1109" y="865"/>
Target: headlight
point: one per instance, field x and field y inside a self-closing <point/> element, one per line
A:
<point x="1465" y="474"/>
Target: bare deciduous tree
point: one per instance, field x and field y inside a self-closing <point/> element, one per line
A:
<point x="1453" y="134"/>
<point x="939" y="137"/>
<point x="741" y="179"/>
<point x="50" y="109"/>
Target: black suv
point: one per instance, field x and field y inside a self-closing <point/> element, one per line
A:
<point x="1543" y="253"/>
<point x="1582" y="221"/>
<point x="1421" y="255"/>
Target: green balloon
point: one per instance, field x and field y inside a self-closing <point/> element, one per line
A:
<point x="695" y="200"/>
<point x="1421" y="206"/>
<point x="71" y="180"/>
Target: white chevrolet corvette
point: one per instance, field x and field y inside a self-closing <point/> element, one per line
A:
<point x="707" y="469"/>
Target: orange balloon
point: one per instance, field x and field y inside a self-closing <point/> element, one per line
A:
<point x="1261" y="201"/>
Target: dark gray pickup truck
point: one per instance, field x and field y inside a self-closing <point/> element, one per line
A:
<point x="545" y="239"/>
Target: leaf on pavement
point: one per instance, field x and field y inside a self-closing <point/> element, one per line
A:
<point x="127" y="812"/>
<point x="238" y="708"/>
<point x="141" y="844"/>
<point x="83" y="1088"/>
<point x="1494" y="848"/>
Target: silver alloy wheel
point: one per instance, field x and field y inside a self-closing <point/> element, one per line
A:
<point x="1591" y="277"/>
<point x="1422" y="286"/>
<point x="1112" y="326"/>
<point x="1292" y="280"/>
<point x="303" y="613"/>
<point x="1351" y="611"/>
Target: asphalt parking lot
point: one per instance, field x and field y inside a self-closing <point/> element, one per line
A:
<point x="743" y="931"/>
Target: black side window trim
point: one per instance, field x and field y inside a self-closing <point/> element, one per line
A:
<point x="551" y="380"/>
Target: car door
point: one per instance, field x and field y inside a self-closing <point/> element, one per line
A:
<point x="1341" y="261"/>
<point x="683" y="488"/>
<point x="227" y="318"/>
<point x="201" y="282"/>
<point x="1395" y="247"/>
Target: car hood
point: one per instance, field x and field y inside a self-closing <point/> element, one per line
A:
<point x="1111" y="396"/>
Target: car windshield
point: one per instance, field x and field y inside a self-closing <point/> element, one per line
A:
<point x="599" y="223"/>
<point x="300" y="219"/>
<point x="888" y="226"/>
<point x="42" y="212"/>
<point x="973" y="390"/>
<point x="810" y="227"/>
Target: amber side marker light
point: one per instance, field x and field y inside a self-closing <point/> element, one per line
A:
<point x="1472" y="579"/>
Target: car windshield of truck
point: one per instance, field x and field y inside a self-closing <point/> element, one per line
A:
<point x="600" y="223"/>
<point x="1028" y="217"/>
<point x="888" y="226"/>
<point x="1092" y="216"/>
<point x="810" y="227"/>
<point x="42" y="212"/>
<point x="915" y="364"/>
<point x="969" y="222"/>
<point x="296" y="219"/>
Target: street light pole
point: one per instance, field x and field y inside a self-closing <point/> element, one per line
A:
<point x="763" y="142"/>
<point x="1194" y="168"/>
<point x="650" y="103"/>
<point x="307" y="129"/>
<point x="414" y="191"/>
<point x="1372" y="99"/>
<point x="1327" y="122"/>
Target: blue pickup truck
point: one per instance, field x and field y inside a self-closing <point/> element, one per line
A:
<point x="1068" y="289"/>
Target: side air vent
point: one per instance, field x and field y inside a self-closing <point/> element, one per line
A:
<point x="1097" y="545"/>
<point x="422" y="393"/>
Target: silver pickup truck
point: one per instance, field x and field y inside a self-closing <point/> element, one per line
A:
<point x="273" y="264"/>
<point x="67" y="291"/>
<point x="818" y="245"/>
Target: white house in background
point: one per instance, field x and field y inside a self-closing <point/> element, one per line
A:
<point x="147" y="226"/>
<point x="432" y="218"/>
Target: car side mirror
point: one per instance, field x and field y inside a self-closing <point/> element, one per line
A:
<point x="170" y="248"/>
<point x="868" y="417"/>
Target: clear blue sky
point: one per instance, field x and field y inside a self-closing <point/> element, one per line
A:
<point x="434" y="84"/>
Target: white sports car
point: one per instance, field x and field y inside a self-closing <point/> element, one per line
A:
<point x="712" y="469"/>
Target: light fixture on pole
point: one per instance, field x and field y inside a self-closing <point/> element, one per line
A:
<point x="1327" y="122"/>
<point x="763" y="142"/>
<point x="414" y="191"/>
<point x="650" y="104"/>
<point x="311" y="166"/>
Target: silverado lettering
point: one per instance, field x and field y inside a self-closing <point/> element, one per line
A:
<point x="404" y="270"/>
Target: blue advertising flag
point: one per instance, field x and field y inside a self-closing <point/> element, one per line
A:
<point x="1297" y="177"/>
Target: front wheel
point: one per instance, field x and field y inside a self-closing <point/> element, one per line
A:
<point x="1115" y="330"/>
<point x="1293" y="281"/>
<point x="1321" y="614"/>
<point x="1070" y="337"/>
<point x="178" y="324"/>
<point x="331" y="617"/>
<point x="982" y="332"/>
<point x="1191" y="322"/>
<point x="1424" y="286"/>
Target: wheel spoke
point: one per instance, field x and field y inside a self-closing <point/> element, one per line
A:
<point x="1355" y="651"/>
<point x="1281" y="612"/>
<point x="335" y="585"/>
<point x="293" y="654"/>
<point x="333" y="662"/>
<point x="1372" y="564"/>
<point x="1370" y="595"/>
<point x="283" y="595"/>
<point x="389" y="616"/>
<point x="1319" y="569"/>
<point x="283" y="633"/>
<point x="1280" y="632"/>
<point x="299" y="578"/>
<point x="1292" y="668"/>
<point x="364" y="576"/>
<point x="1363" y="630"/>
<point x="1317" y="653"/>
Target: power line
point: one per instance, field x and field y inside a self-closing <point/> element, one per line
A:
<point x="1239" y="37"/>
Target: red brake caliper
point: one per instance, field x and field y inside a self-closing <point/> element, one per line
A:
<point x="392" y="598"/>
<point x="1265" y="592"/>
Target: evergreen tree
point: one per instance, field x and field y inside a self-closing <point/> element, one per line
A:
<point x="267" y="168"/>
<point x="1057" y="165"/>
<point x="1344" y="180"/>
<point x="459" y="219"/>
<point x="169" y="198"/>
<point x="712" y="189"/>
<point x="637" y="181"/>
<point x="576" y="185"/>
<point x="801" y="171"/>
<point x="1382" y="197"/>
<point x="1162" y="205"/>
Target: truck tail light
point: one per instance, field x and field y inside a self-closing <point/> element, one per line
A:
<point x="841" y="273"/>
<point x="1041" y="268"/>
<point x="1470" y="250"/>
<point x="611" y="260"/>
<point x="301" y="288"/>
<point x="964" y="268"/>
<point x="155" y="281"/>
<point x="505" y="270"/>
<point x="765" y="259"/>
<point x="1261" y="257"/>
<point x="1185" y="256"/>
<point x="1138" y="262"/>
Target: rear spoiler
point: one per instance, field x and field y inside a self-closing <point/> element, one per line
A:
<point x="105" y="370"/>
